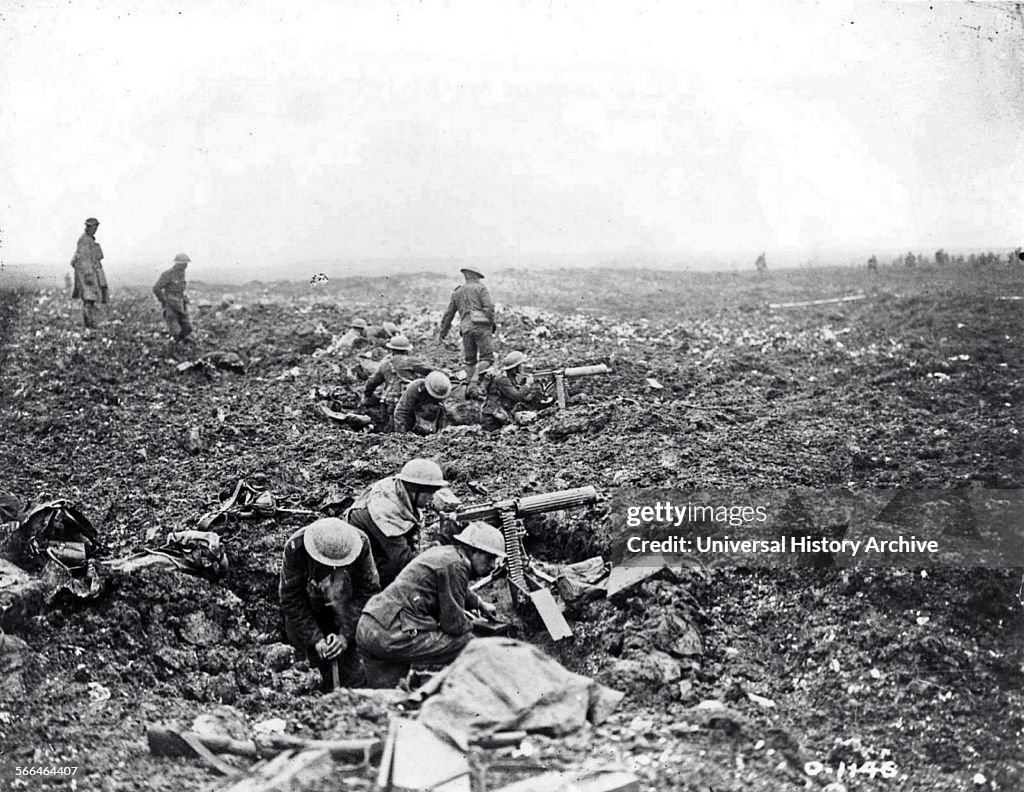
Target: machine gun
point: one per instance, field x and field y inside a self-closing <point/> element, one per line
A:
<point x="557" y="377"/>
<point x="525" y="582"/>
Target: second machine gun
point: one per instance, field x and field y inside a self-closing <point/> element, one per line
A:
<point x="525" y="582"/>
<point x="555" y="378"/>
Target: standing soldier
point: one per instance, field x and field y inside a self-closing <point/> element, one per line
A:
<point x="761" y="264"/>
<point x="476" y="324"/>
<point x="327" y="576"/>
<point x="421" y="408"/>
<point x="170" y="291"/>
<point x="394" y="373"/>
<point x="873" y="264"/>
<point x="90" y="282"/>
<point x="505" y="391"/>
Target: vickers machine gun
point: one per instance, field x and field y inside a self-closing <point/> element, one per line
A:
<point x="524" y="581"/>
<point x="556" y="378"/>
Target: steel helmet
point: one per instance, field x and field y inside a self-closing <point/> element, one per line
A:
<point x="390" y="328"/>
<point x="182" y="258"/>
<point x="91" y="221"/>
<point x="481" y="536"/>
<point x="358" y="322"/>
<point x="332" y="541"/>
<point x="438" y="384"/>
<point x="513" y="359"/>
<point x="471" y="271"/>
<point x="425" y="472"/>
<point x="400" y="343"/>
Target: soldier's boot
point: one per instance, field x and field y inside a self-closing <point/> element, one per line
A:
<point x="471" y="381"/>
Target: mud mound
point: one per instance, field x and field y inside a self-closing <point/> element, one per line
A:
<point x="163" y="630"/>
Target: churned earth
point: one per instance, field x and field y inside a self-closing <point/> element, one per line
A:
<point x="809" y="670"/>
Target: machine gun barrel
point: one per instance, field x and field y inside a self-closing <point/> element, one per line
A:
<point x="575" y="371"/>
<point x="559" y="376"/>
<point x="528" y="504"/>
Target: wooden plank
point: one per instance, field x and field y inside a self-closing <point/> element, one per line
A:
<point x="386" y="760"/>
<point x="550" y="614"/>
<point x="577" y="781"/>
<point x="801" y="304"/>
<point x="423" y="761"/>
<point x="279" y="774"/>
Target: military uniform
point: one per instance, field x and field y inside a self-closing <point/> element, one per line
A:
<point x="90" y="281"/>
<point x="394" y="373"/>
<point x="386" y="514"/>
<point x="417" y="411"/>
<point x="501" y="398"/>
<point x="170" y="291"/>
<point x="318" y="600"/>
<point x="475" y="307"/>
<point x="420" y="618"/>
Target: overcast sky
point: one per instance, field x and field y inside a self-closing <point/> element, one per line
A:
<point x="277" y="134"/>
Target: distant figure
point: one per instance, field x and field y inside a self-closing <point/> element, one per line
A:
<point x="873" y="264"/>
<point x="476" y="324"/>
<point x="355" y="336"/>
<point x="761" y="264"/>
<point x="90" y="282"/>
<point x="395" y="372"/>
<point x="380" y="335"/>
<point x="170" y="291"/>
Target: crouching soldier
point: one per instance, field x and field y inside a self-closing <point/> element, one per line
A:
<point x="421" y="408"/>
<point x="504" y="391"/>
<point x="421" y="617"/>
<point x="170" y="291"/>
<point x="327" y="576"/>
<point x="389" y="512"/>
<point x="394" y="373"/>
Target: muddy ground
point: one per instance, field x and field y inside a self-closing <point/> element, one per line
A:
<point x="918" y="385"/>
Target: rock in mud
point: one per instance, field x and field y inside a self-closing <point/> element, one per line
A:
<point x="278" y="656"/>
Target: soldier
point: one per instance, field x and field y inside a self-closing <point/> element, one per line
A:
<point x="355" y="336"/>
<point x="476" y="324"/>
<point x="327" y="577"/>
<point x="504" y="391"/>
<point x="873" y="264"/>
<point x="170" y="291"/>
<point x="421" y="408"/>
<point x="90" y="280"/>
<point x="389" y="513"/>
<point x="380" y="334"/>
<point x="394" y="373"/>
<point x="421" y="617"/>
<point x="761" y="264"/>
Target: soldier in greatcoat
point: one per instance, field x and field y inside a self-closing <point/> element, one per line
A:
<point x="90" y="281"/>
